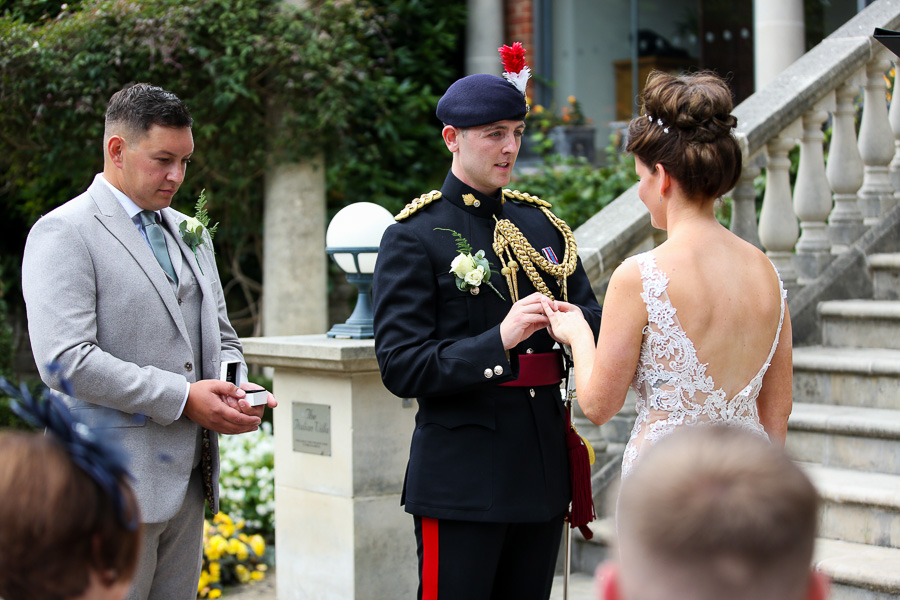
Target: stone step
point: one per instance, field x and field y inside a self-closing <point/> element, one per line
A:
<point x="858" y="507"/>
<point x="885" y="269"/>
<point x="861" y="377"/>
<point x="860" y="323"/>
<point x="846" y="437"/>
<point x="858" y="571"/>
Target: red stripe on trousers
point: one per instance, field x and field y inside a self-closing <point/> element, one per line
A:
<point x="429" y="559"/>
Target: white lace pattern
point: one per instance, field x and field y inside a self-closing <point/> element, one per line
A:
<point x="672" y="386"/>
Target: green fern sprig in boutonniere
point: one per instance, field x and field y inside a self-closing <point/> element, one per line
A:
<point x="471" y="268"/>
<point x="192" y="228"/>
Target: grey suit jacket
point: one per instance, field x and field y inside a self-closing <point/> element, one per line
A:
<point x="99" y="304"/>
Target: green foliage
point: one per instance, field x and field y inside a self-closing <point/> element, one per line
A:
<point x="7" y="417"/>
<point x="576" y="188"/>
<point x="462" y="244"/>
<point x="266" y="82"/>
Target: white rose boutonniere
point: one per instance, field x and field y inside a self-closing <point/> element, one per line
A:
<point x="471" y="269"/>
<point x="192" y="228"/>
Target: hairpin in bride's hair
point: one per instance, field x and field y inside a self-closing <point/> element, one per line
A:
<point x="660" y="123"/>
<point x="104" y="462"/>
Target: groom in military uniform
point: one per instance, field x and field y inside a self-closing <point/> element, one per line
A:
<point x="488" y="477"/>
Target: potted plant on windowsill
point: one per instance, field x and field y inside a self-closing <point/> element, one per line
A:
<point x="569" y="134"/>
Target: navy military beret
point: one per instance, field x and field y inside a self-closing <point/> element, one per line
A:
<point x="481" y="99"/>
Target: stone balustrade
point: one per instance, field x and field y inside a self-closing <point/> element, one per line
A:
<point x="834" y="200"/>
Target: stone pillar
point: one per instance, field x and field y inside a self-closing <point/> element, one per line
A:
<point x="779" y="37"/>
<point x="844" y="171"/>
<point x="484" y="34"/>
<point x="876" y="142"/>
<point x="812" y="195"/>
<point x="778" y="229"/>
<point x="295" y="296"/>
<point x="743" y="205"/>
<point x="894" y="118"/>
<point x="341" y="445"/>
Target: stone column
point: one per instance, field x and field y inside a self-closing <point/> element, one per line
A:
<point x="894" y="118"/>
<point x="779" y="37"/>
<point x="845" y="171"/>
<point x="341" y="445"/>
<point x="812" y="195"/>
<point x="484" y="34"/>
<point x="743" y="205"/>
<point x="295" y="287"/>
<point x="295" y="290"/>
<point x="876" y="142"/>
<point x="778" y="228"/>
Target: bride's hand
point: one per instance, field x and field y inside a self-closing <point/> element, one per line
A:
<point x="566" y="320"/>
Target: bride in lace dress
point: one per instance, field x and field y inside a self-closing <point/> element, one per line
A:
<point x="698" y="326"/>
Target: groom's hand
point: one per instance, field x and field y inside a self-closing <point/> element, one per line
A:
<point x="524" y="318"/>
<point x="205" y="406"/>
<point x="256" y="411"/>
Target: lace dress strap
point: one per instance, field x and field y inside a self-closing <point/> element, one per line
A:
<point x="781" y="318"/>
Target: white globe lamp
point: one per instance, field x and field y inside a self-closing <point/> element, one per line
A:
<point x="352" y="241"/>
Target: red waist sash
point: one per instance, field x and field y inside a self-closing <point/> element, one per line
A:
<point x="536" y="370"/>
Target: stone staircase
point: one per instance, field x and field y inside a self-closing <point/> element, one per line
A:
<point x="845" y="430"/>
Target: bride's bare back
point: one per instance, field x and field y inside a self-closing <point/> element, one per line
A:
<point x="728" y="300"/>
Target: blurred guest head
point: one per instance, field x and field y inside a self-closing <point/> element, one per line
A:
<point x="714" y="512"/>
<point x="68" y="517"/>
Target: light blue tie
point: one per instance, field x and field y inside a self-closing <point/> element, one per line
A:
<point x="157" y="240"/>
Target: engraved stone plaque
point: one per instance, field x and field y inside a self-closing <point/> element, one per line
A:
<point x="312" y="428"/>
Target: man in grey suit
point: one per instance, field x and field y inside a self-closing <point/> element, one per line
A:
<point x="138" y="325"/>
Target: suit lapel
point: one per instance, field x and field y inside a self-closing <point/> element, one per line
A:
<point x="114" y="218"/>
<point x="209" y="312"/>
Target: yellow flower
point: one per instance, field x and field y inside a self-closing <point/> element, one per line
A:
<point x="538" y="109"/>
<point x="226" y="525"/>
<point x="204" y="580"/>
<point x="239" y="549"/>
<point x="571" y="99"/>
<point x="215" y="572"/>
<point x="258" y="544"/>
<point x="262" y="567"/>
<point x="216" y="546"/>
<point x="243" y="574"/>
<point x="257" y="575"/>
<point x="215" y="593"/>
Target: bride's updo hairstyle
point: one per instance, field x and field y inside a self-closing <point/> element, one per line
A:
<point x="686" y="126"/>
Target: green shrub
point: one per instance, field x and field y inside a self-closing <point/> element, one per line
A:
<point x="576" y="188"/>
<point x="265" y="81"/>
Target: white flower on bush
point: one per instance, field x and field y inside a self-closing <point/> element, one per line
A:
<point x="246" y="478"/>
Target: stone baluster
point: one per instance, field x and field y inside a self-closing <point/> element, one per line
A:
<point x="845" y="170"/>
<point x="894" y="118"/>
<point x="778" y="229"/>
<point x="812" y="196"/>
<point x="743" y="204"/>
<point x="876" y="142"/>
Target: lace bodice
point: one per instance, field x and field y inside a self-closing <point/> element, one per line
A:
<point x="672" y="386"/>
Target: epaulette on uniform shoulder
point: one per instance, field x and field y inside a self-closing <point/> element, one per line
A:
<point x="518" y="196"/>
<point x="417" y="204"/>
